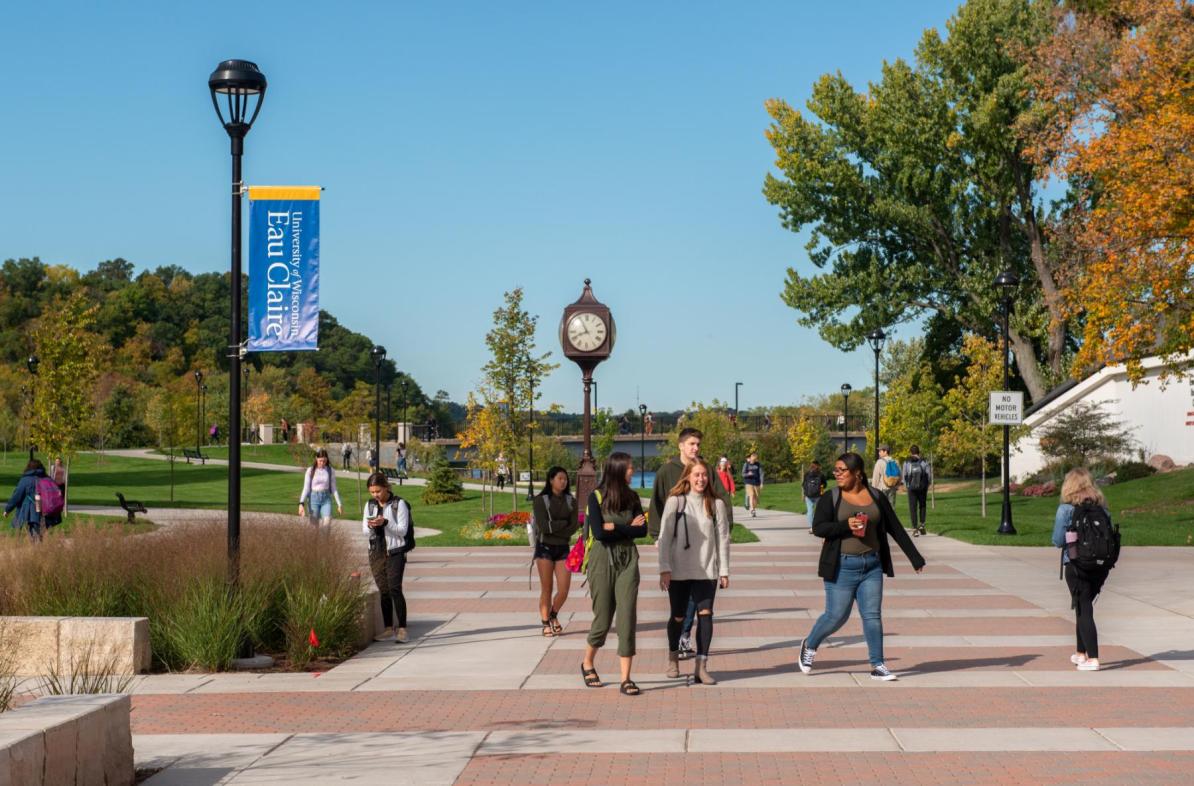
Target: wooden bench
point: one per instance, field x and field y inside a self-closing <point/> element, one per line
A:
<point x="131" y="507"/>
<point x="393" y="474"/>
<point x="194" y="454"/>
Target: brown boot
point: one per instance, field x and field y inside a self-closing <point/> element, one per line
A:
<point x="701" y="674"/>
<point x="673" y="664"/>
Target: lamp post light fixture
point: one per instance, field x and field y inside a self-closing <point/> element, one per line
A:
<point x="876" y="338"/>
<point x="846" y="416"/>
<point x="642" y="446"/>
<point x="736" y="386"/>
<point x="378" y="353"/>
<point x="1006" y="282"/>
<point x="240" y="87"/>
<point x="31" y="363"/>
<point x="198" y="410"/>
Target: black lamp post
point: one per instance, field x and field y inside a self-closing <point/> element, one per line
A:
<point x="405" y="393"/>
<point x="846" y="416"/>
<point x="378" y="353"/>
<point x="203" y="412"/>
<point x="248" y="435"/>
<point x="531" y="438"/>
<point x="31" y="363"/>
<point x="198" y="410"/>
<point x="736" y="386"/>
<point x="876" y="338"/>
<point x="240" y="86"/>
<point x="642" y="446"/>
<point x="1006" y="282"/>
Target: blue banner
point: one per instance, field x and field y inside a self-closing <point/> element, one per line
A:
<point x="283" y="268"/>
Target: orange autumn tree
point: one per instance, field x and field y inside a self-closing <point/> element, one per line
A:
<point x="1117" y="86"/>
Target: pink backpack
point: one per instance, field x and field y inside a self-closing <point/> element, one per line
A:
<point x="51" y="497"/>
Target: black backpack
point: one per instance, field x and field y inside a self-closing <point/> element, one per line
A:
<point x="408" y="543"/>
<point x="918" y="479"/>
<point x="1097" y="544"/>
<point x="813" y="481"/>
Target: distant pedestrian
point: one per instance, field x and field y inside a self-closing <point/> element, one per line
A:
<point x="725" y="474"/>
<point x="555" y="519"/>
<point x="285" y="428"/>
<point x="36" y="501"/>
<point x="614" y="516"/>
<point x="401" y="461"/>
<point x="752" y="479"/>
<point x="387" y="522"/>
<point x="855" y="521"/>
<point x="1082" y="529"/>
<point x="319" y="489"/>
<point x="694" y="561"/>
<point x="371" y="459"/>
<point x="502" y="472"/>
<point x="649" y="424"/>
<point x="813" y="486"/>
<point x="767" y="421"/>
<point x="886" y="475"/>
<point x="58" y="474"/>
<point x="214" y="433"/>
<point x="917" y="476"/>
<point x="346" y="455"/>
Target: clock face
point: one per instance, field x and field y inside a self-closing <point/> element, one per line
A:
<point x="586" y="331"/>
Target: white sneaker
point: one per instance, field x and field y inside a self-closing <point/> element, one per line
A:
<point x="1090" y="664"/>
<point x="805" y="661"/>
<point x="385" y="635"/>
<point x="882" y="673"/>
<point x="1076" y="659"/>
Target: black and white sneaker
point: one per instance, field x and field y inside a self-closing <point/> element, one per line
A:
<point x="806" y="657"/>
<point x="883" y="674"/>
<point x="686" y="651"/>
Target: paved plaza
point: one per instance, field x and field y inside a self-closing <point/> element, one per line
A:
<point x="981" y="641"/>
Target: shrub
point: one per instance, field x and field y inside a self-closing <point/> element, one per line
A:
<point x="321" y="621"/>
<point x="1133" y="470"/>
<point x="443" y="485"/>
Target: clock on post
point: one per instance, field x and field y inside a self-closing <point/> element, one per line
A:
<point x="587" y="335"/>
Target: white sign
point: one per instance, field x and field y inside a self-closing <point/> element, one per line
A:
<point x="524" y="477"/>
<point x="1007" y="408"/>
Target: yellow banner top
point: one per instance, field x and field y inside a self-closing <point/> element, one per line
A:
<point x="284" y="192"/>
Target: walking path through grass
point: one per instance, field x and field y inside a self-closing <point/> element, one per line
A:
<point x="981" y="640"/>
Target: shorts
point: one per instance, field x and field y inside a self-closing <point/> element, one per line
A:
<point x="551" y="551"/>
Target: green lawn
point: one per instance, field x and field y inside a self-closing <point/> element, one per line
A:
<point x="1153" y="511"/>
<point x="94" y="480"/>
<point x="72" y="521"/>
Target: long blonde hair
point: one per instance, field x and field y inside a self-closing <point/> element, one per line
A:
<point x="684" y="485"/>
<point x="1079" y="487"/>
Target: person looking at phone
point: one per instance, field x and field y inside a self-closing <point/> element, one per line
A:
<point x="854" y="521"/>
<point x="387" y="523"/>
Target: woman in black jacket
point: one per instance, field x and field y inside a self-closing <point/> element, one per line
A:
<point x="555" y="522"/>
<point x="855" y="523"/>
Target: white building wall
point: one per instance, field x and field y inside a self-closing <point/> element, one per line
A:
<point x="1161" y="420"/>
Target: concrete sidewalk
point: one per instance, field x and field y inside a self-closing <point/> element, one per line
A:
<point x="981" y="640"/>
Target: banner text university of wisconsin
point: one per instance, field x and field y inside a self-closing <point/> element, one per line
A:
<point x="283" y="268"/>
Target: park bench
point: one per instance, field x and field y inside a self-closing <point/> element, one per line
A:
<point x="131" y="507"/>
<point x="194" y="454"/>
<point x="393" y="474"/>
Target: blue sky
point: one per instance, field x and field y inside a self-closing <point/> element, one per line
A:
<point x="465" y="149"/>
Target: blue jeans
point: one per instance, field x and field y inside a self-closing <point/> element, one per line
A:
<point x="689" y="618"/>
<point x="319" y="506"/>
<point x="859" y="576"/>
<point x="810" y="504"/>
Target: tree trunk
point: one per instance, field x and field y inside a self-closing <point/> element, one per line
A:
<point x="1027" y="365"/>
<point x="1050" y="292"/>
<point x="983" y="462"/>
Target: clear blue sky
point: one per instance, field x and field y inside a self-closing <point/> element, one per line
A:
<point x="466" y="149"/>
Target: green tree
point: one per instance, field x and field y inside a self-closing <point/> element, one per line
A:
<point x="443" y="485"/>
<point x="803" y="437"/>
<point x="918" y="192"/>
<point x="1086" y="435"/>
<point x="70" y="354"/>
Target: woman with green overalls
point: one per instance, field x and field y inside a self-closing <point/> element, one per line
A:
<point x="615" y="518"/>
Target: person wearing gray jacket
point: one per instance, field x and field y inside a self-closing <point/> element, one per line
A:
<point x="387" y="523"/>
<point x="694" y="560"/>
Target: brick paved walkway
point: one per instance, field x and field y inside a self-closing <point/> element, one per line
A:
<point x="981" y="640"/>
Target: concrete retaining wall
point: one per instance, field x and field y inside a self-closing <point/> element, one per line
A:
<point x="81" y="740"/>
<point x="118" y="645"/>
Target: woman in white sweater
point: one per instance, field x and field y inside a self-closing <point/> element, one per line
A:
<point x="694" y="560"/>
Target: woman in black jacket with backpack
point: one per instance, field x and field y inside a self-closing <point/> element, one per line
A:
<point x="555" y="520"/>
<point x="855" y="521"/>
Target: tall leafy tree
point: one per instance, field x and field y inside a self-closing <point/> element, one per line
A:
<point x="70" y="354"/>
<point x="918" y="192"/>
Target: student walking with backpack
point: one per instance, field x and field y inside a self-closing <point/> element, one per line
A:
<point x="886" y="477"/>
<point x="37" y="501"/>
<point x="1089" y="544"/>
<point x="813" y="486"/>
<point x="855" y="522"/>
<point x="319" y="489"/>
<point x="614" y="516"/>
<point x="554" y="520"/>
<point x="918" y="476"/>
<point x="752" y="480"/>
<point x="391" y="530"/>
<point x="694" y="560"/>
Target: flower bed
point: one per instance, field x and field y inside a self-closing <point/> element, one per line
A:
<point x="508" y="527"/>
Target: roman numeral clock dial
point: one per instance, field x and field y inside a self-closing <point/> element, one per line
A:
<point x="586" y="331"/>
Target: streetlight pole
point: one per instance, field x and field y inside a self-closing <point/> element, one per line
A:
<point x="642" y="446"/>
<point x="379" y="354"/>
<point x="31" y="363"/>
<point x="240" y="84"/>
<point x="736" y="386"/>
<point x="846" y="416"/>
<point x="1006" y="281"/>
<point x="876" y="337"/>
<point x="247" y="426"/>
<point x="198" y="411"/>
<point x="531" y="440"/>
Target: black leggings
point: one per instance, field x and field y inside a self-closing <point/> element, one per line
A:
<point x="701" y="591"/>
<point x="387" y="575"/>
<point x="1084" y="588"/>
